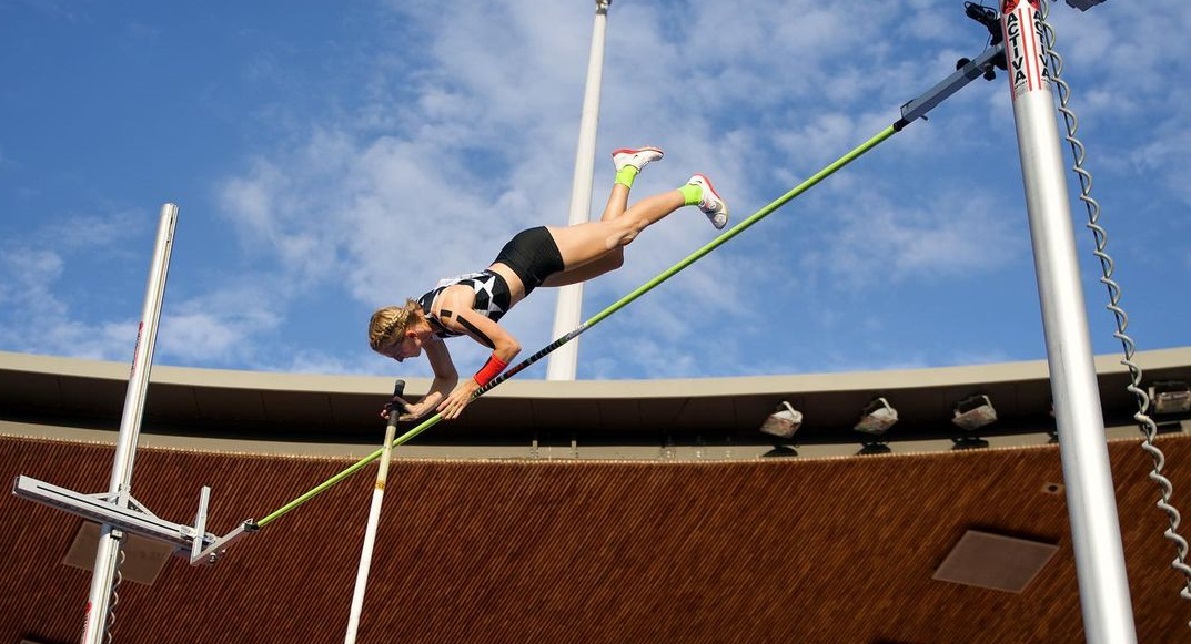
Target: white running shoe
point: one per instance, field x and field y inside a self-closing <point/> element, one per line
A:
<point x="636" y="158"/>
<point x="712" y="205"/>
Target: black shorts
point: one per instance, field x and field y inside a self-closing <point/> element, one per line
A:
<point x="533" y="256"/>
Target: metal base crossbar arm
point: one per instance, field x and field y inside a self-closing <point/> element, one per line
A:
<point x="968" y="72"/>
<point x="190" y="542"/>
<point x="911" y="111"/>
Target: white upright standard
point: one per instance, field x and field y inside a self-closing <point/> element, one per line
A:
<point x="120" y="486"/>
<point x="1095" y="528"/>
<point x="378" y="499"/>
<point x="568" y="313"/>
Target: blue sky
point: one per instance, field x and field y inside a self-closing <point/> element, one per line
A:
<point x="329" y="158"/>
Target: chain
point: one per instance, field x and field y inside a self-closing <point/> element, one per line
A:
<point x="1148" y="428"/>
<point x="111" y="618"/>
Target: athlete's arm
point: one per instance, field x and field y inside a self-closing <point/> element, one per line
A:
<point x="488" y="333"/>
<point x="445" y="379"/>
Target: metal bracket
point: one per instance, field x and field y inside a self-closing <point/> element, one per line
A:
<point x="190" y="542"/>
<point x="967" y="73"/>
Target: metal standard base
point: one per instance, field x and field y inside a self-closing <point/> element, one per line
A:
<point x="189" y="542"/>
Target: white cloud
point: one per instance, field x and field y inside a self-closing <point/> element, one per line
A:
<point x="39" y="321"/>
<point x="92" y="233"/>
<point x="28" y="273"/>
<point x="223" y="325"/>
<point x="251" y="199"/>
<point x="653" y="359"/>
<point x="872" y="240"/>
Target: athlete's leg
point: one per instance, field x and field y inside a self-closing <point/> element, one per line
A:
<point x="618" y="202"/>
<point x="629" y="162"/>
<point x="583" y="244"/>
<point x="606" y="264"/>
<point x="591" y="249"/>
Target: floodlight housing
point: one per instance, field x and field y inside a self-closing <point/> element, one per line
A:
<point x="1170" y="397"/>
<point x="878" y="417"/>
<point x="784" y="422"/>
<point x="1083" y="5"/>
<point x="974" y="412"/>
<point x="873" y="447"/>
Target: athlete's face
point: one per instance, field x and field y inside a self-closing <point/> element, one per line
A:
<point x="409" y="347"/>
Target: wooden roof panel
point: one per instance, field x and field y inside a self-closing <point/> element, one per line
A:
<point x="478" y="551"/>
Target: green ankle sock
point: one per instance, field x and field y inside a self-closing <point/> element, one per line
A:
<point x="692" y="193"/>
<point x="625" y="175"/>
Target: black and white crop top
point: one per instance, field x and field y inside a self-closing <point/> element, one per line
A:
<point x="492" y="298"/>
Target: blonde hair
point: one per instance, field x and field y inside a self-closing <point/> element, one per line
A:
<point x="390" y="323"/>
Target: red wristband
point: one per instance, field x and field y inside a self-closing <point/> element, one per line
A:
<point x="489" y="371"/>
